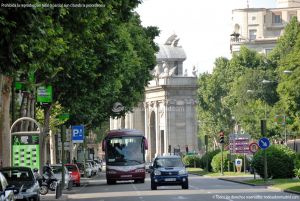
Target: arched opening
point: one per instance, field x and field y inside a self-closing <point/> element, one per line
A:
<point x="152" y="136"/>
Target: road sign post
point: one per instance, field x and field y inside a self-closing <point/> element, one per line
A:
<point x="253" y="147"/>
<point x="264" y="143"/>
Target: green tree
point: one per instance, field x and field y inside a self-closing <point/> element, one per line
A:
<point x="285" y="56"/>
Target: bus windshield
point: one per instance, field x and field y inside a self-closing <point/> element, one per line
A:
<point x="125" y="151"/>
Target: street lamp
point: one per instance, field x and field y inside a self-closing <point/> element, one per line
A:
<point x="287" y="71"/>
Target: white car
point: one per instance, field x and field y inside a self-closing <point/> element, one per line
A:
<point x="5" y="193"/>
<point x="88" y="169"/>
<point x="57" y="170"/>
<point x="99" y="165"/>
<point x="94" y="167"/>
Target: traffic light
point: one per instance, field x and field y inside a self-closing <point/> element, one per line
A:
<point x="222" y="137"/>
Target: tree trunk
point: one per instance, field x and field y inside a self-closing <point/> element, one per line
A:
<point x="1" y="142"/>
<point x="22" y="109"/>
<point x="32" y="111"/>
<point x="45" y="133"/>
<point x="5" y="120"/>
<point x="27" y="114"/>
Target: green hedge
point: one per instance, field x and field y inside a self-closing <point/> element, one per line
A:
<point x="280" y="162"/>
<point x="191" y="160"/>
<point x="208" y="156"/>
<point x="216" y="162"/>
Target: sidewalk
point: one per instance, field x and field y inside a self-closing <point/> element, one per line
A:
<point x="51" y="197"/>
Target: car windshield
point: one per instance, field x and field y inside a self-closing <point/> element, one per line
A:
<point x="18" y="175"/>
<point x="56" y="169"/>
<point x="168" y="162"/>
<point x="80" y="166"/>
<point x="71" y="168"/>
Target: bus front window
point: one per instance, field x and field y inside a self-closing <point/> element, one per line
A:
<point x="125" y="151"/>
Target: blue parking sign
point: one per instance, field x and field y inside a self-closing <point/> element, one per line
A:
<point x="77" y="134"/>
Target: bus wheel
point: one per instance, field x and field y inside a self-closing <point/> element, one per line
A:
<point x="110" y="182"/>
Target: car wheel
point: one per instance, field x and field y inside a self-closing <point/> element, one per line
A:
<point x="110" y="182"/>
<point x="185" y="185"/>
<point x="78" y="184"/>
<point x="43" y="190"/>
<point x="153" y="186"/>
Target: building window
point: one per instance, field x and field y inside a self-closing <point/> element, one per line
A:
<point x="252" y="34"/>
<point x="277" y="19"/>
<point x="253" y="18"/>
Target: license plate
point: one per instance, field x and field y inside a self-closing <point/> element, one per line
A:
<point x="170" y="179"/>
<point x="126" y="175"/>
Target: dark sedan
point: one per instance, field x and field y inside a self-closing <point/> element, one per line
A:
<point x="168" y="170"/>
<point x="26" y="186"/>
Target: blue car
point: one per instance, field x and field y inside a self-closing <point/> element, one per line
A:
<point x="167" y="171"/>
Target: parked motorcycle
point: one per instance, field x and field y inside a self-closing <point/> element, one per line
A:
<point x="47" y="181"/>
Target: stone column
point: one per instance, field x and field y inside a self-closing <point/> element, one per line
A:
<point x="172" y="123"/>
<point x="157" y="129"/>
<point x="189" y="128"/>
<point x="166" y="132"/>
<point x="147" y="127"/>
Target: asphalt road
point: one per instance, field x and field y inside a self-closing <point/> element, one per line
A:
<point x="201" y="188"/>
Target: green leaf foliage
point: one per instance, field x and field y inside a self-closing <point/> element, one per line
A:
<point x="280" y="161"/>
<point x="191" y="160"/>
<point x="207" y="158"/>
<point x="92" y="57"/>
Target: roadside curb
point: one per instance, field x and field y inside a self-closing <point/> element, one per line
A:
<point x="236" y="181"/>
<point x="268" y="187"/>
<point x="291" y="191"/>
<point x="51" y="197"/>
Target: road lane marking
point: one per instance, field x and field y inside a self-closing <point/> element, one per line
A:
<point x="137" y="192"/>
<point x="166" y="193"/>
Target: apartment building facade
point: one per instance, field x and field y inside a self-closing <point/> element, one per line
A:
<point x="259" y="28"/>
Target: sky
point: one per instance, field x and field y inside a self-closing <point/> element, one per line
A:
<point x="204" y="27"/>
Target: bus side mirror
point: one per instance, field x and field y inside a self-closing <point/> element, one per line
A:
<point x="103" y="145"/>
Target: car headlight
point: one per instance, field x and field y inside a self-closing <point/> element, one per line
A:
<point x="182" y="172"/>
<point x="157" y="172"/>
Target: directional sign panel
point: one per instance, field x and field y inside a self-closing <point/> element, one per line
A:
<point x="264" y="143"/>
<point x="77" y="134"/>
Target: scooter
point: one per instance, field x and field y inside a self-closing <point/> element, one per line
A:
<point x="46" y="183"/>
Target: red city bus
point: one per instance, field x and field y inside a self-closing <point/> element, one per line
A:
<point x="125" y="155"/>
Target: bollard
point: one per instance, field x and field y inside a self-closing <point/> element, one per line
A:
<point x="58" y="190"/>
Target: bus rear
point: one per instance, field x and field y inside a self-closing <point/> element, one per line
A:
<point x="125" y="155"/>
